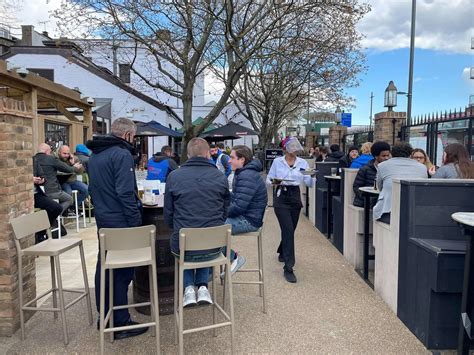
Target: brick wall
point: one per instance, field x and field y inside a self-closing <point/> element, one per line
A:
<point x="16" y="196"/>
<point x="384" y="123"/>
<point x="336" y="133"/>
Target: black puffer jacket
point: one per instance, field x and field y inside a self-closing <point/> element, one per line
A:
<point x="249" y="194"/>
<point x="365" y="177"/>
<point x="335" y="156"/>
<point x="112" y="183"/>
<point x="197" y="195"/>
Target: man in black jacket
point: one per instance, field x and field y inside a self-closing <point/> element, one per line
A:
<point x="336" y="155"/>
<point x="113" y="189"/>
<point x="366" y="174"/>
<point x="197" y="195"/>
<point x="50" y="167"/>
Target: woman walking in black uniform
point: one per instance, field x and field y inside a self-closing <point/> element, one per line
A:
<point x="286" y="175"/>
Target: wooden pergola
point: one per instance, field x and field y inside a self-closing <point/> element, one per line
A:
<point x="39" y="93"/>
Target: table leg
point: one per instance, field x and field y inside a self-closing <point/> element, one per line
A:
<point x="329" y="208"/>
<point x="366" y="235"/>
<point x="465" y="327"/>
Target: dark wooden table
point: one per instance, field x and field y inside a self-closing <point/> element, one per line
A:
<point x="368" y="193"/>
<point x="332" y="181"/>
<point x="466" y="222"/>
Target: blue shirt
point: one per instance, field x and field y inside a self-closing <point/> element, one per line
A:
<point x="281" y="170"/>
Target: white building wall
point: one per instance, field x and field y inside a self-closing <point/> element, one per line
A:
<point x="71" y="75"/>
<point x="102" y="54"/>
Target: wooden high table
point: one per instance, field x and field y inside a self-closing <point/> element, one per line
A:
<point x="466" y="222"/>
<point x="164" y="265"/>
<point x="330" y="179"/>
<point x="368" y="193"/>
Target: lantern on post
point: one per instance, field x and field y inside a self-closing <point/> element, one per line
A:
<point x="390" y="98"/>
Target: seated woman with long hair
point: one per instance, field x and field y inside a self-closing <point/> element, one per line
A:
<point x="420" y="156"/>
<point x="456" y="163"/>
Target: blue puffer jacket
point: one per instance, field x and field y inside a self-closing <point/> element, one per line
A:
<point x="249" y="194"/>
<point x="360" y="161"/>
<point x="112" y="183"/>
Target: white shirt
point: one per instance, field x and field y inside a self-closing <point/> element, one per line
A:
<point x="281" y="170"/>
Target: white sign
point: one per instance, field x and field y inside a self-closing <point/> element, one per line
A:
<point x="325" y="131"/>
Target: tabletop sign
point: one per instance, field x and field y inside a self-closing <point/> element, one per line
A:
<point x="271" y="154"/>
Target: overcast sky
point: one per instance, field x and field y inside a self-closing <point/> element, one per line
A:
<point x="443" y="58"/>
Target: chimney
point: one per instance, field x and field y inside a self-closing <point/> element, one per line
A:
<point x="45" y="33"/>
<point x="27" y="35"/>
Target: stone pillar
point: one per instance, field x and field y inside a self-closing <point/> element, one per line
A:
<point x="336" y="133"/>
<point x="388" y="125"/>
<point x="16" y="196"/>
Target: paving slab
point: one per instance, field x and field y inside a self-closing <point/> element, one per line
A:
<point x="329" y="310"/>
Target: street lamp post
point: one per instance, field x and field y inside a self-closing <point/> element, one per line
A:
<point x="412" y="58"/>
<point x="338" y="119"/>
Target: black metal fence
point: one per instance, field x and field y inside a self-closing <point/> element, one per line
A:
<point x="435" y="131"/>
<point x="357" y="136"/>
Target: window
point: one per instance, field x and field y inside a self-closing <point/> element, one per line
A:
<point x="45" y="73"/>
<point x="56" y="134"/>
<point x="124" y="73"/>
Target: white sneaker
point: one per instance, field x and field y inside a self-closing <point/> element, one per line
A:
<point x="203" y="296"/>
<point x="238" y="262"/>
<point x="189" y="297"/>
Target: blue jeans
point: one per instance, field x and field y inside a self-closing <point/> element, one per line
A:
<point x="239" y="225"/>
<point x="197" y="277"/>
<point x="82" y="190"/>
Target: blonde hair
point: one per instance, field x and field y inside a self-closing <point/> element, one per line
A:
<point x="427" y="162"/>
<point x="365" y="149"/>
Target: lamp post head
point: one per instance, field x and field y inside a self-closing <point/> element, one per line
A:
<point x="338" y="115"/>
<point x="390" y="98"/>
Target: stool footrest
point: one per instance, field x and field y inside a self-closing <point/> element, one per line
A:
<point x="247" y="282"/>
<point x="132" y="305"/>
<point x="129" y="327"/>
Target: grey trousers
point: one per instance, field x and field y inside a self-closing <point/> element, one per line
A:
<point x="64" y="199"/>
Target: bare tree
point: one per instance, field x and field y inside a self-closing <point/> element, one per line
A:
<point x="183" y="37"/>
<point x="309" y="61"/>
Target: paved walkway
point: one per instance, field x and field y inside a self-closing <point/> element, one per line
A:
<point x="329" y="310"/>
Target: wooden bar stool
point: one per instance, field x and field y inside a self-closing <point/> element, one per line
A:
<point x="27" y="225"/>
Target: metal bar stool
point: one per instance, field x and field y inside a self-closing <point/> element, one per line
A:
<point x="195" y="239"/>
<point x="77" y="214"/>
<point x="27" y="225"/>
<point x="261" y="281"/>
<point x="124" y="248"/>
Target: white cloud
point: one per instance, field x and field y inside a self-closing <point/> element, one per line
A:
<point x="444" y="25"/>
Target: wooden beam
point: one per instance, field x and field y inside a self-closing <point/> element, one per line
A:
<point x="69" y="115"/>
<point x="31" y="101"/>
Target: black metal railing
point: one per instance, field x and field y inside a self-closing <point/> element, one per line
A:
<point x="432" y="132"/>
<point x="357" y="136"/>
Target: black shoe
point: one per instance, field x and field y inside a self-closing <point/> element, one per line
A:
<point x="280" y="258"/>
<point x="289" y="276"/>
<point x="130" y="333"/>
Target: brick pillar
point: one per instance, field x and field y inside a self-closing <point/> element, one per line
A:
<point x="387" y="126"/>
<point x="16" y="196"/>
<point x="336" y="133"/>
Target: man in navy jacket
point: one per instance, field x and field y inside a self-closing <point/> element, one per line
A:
<point x="249" y="196"/>
<point x="197" y="195"/>
<point x="116" y="205"/>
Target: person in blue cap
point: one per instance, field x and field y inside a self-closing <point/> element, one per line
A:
<point x="83" y="154"/>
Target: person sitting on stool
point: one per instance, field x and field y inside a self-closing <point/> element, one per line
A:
<point x="286" y="174"/>
<point x="249" y="197"/>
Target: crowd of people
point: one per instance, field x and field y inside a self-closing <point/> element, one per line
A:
<point x="379" y="164"/>
<point x="229" y="181"/>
